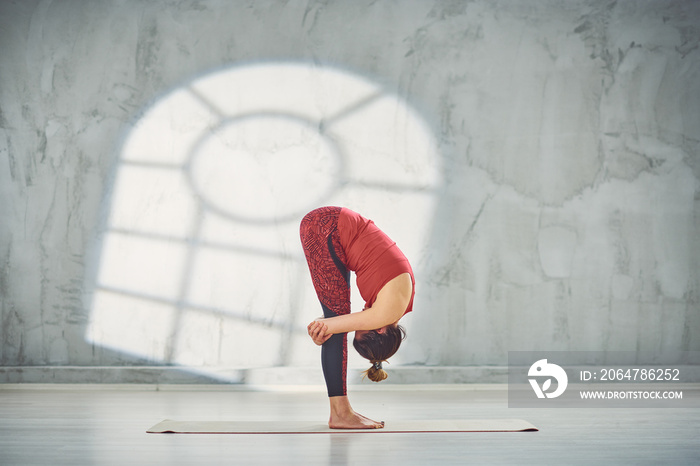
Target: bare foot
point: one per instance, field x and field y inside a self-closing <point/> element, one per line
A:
<point x="370" y="420"/>
<point x="353" y="421"/>
<point x="344" y="417"/>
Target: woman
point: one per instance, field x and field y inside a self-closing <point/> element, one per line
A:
<point x="337" y="240"/>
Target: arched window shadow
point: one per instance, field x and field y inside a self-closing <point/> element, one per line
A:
<point x="200" y="264"/>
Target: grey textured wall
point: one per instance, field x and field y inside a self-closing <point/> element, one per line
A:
<point x="537" y="161"/>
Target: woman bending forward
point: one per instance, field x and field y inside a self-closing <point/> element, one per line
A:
<point x="336" y="241"/>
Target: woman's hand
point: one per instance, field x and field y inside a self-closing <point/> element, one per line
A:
<point x="318" y="332"/>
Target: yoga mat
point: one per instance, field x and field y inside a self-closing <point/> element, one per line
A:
<point x="301" y="427"/>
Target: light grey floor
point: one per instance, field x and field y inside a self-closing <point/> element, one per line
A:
<point x="71" y="425"/>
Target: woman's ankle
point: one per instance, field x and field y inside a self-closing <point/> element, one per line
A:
<point x="340" y="405"/>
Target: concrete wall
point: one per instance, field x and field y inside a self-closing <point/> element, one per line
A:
<point x="537" y="161"/>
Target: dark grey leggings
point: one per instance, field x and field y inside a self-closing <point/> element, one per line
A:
<point x="331" y="278"/>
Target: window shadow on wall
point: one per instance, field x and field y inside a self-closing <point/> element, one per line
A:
<point x="199" y="264"/>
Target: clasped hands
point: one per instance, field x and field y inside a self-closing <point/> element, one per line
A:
<point x="318" y="331"/>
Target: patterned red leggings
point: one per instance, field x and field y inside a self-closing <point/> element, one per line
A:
<point x="331" y="278"/>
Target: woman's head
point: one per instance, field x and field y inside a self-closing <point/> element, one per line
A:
<point x="377" y="346"/>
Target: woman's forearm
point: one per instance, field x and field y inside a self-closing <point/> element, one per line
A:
<point x="341" y="324"/>
<point x="365" y="320"/>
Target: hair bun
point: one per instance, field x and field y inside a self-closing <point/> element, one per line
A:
<point x="376" y="373"/>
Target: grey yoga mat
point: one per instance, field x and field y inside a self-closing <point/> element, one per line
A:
<point x="302" y="427"/>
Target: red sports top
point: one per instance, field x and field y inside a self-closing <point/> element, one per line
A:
<point x="372" y="255"/>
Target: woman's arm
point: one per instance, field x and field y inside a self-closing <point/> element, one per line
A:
<point x="388" y="308"/>
<point x="365" y="320"/>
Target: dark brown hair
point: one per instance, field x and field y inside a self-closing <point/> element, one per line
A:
<point x="378" y="347"/>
